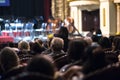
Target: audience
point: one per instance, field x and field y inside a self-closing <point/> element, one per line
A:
<point x="38" y="47"/>
<point x="23" y="45"/>
<point x="43" y="65"/>
<point x="63" y="33"/>
<point x="9" y="63"/>
<point x="62" y="58"/>
<point x="24" y="52"/>
<point x="88" y="40"/>
<point x="48" y="50"/>
<point x="90" y="33"/>
<point x="105" y="43"/>
<point x="8" y="59"/>
<point x="94" y="60"/>
<point x="112" y="55"/>
<point x="75" y="53"/>
<point x="57" y="48"/>
<point x="30" y="76"/>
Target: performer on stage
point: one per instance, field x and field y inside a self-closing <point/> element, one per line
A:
<point x="49" y="24"/>
<point x="69" y="23"/>
<point x="53" y="24"/>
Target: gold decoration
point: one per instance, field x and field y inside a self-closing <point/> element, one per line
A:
<point x="104" y="17"/>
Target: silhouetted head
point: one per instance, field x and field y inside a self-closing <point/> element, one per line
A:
<point x="105" y="42"/>
<point x="63" y="32"/>
<point x="116" y="43"/>
<point x="41" y="64"/>
<point x="76" y="49"/>
<point x="57" y="44"/>
<point x="23" y="45"/>
<point x="8" y="59"/>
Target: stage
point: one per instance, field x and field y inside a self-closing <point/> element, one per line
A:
<point x="25" y="35"/>
<point x="14" y="32"/>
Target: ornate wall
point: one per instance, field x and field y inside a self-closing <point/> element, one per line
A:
<point x="60" y="8"/>
<point x="109" y="10"/>
<point x="118" y="15"/>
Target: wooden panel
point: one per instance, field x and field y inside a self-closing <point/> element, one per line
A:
<point x="90" y="19"/>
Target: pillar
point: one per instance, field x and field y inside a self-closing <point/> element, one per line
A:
<point x="60" y="8"/>
<point x="108" y="18"/>
<point x="118" y="18"/>
<point x="76" y="13"/>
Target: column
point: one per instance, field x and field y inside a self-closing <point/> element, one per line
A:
<point x="108" y="18"/>
<point x="60" y="8"/>
<point x="79" y="27"/>
<point x="76" y="13"/>
<point x="53" y="7"/>
<point x="57" y="8"/>
<point x="118" y="18"/>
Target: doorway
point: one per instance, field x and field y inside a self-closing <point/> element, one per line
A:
<point x="90" y="19"/>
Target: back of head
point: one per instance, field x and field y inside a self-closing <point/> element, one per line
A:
<point x="41" y="64"/>
<point x="116" y="43"/>
<point x="23" y="45"/>
<point x="98" y="31"/>
<point x="76" y="49"/>
<point x="8" y="58"/>
<point x="95" y="59"/>
<point x="57" y="44"/>
<point x="37" y="47"/>
<point x="89" y="50"/>
<point x="63" y="32"/>
<point x="95" y="38"/>
<point x="99" y="55"/>
<point x="88" y="40"/>
<point x="105" y="42"/>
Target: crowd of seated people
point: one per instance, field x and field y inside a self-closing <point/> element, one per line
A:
<point x="61" y="58"/>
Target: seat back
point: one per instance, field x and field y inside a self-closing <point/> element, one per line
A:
<point x="61" y="61"/>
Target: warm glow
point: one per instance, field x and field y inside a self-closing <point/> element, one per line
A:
<point x="71" y="0"/>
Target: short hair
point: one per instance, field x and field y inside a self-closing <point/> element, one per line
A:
<point x="8" y="58"/>
<point x="57" y="44"/>
<point x="63" y="32"/>
<point x="76" y="49"/>
<point x="116" y="43"/>
<point x="35" y="39"/>
<point x="23" y="45"/>
<point x="105" y="42"/>
<point x="42" y="64"/>
<point x="88" y="40"/>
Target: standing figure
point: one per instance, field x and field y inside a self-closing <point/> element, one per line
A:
<point x="69" y="23"/>
<point x="49" y="24"/>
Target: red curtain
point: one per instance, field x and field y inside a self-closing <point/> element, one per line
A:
<point x="47" y="9"/>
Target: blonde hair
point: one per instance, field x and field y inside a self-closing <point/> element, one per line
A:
<point x="23" y="45"/>
<point x="57" y="43"/>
